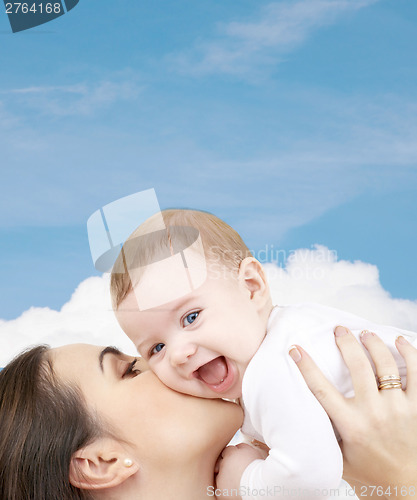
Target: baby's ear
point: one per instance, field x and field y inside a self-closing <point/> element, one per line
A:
<point x="101" y="464"/>
<point x="252" y="277"/>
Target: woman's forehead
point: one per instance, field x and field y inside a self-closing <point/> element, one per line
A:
<point x="75" y="360"/>
<point x="76" y="350"/>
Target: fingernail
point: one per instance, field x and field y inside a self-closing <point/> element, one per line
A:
<point x="365" y="334"/>
<point x="401" y="340"/>
<point x="339" y="331"/>
<point x="295" y="353"/>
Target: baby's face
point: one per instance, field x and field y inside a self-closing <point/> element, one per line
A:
<point x="201" y="343"/>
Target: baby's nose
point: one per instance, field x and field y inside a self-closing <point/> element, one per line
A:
<point x="182" y="352"/>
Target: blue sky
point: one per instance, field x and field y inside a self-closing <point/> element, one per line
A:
<point x="295" y="121"/>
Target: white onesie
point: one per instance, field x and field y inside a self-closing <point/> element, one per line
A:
<point x="305" y="460"/>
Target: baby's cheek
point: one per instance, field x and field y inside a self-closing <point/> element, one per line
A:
<point x="166" y="377"/>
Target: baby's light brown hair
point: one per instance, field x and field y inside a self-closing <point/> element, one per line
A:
<point x="148" y="243"/>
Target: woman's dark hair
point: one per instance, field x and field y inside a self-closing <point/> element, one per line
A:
<point x="42" y="424"/>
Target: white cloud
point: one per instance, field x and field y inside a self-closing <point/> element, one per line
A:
<point x="315" y="275"/>
<point x="86" y="318"/>
<point x="77" y="99"/>
<point x="282" y="26"/>
<point x="310" y="276"/>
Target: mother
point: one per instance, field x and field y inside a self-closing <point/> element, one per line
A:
<point x="81" y="422"/>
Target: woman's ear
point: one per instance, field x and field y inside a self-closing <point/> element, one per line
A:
<point x="252" y="277"/>
<point x="101" y="464"/>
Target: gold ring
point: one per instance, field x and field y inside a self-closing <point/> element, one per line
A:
<point x="390" y="385"/>
<point x="389" y="382"/>
<point x="389" y="377"/>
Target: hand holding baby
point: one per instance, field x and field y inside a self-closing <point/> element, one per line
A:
<point x="231" y="464"/>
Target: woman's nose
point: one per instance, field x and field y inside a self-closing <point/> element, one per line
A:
<point x="182" y="352"/>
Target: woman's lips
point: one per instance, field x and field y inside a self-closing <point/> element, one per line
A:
<point x="217" y="374"/>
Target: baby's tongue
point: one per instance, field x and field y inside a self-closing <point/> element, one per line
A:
<point x="214" y="372"/>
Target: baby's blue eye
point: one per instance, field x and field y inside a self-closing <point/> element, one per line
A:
<point x="157" y="348"/>
<point x="190" y="318"/>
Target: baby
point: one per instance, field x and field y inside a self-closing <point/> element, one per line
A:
<point x="197" y="306"/>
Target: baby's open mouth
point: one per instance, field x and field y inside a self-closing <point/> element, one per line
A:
<point x="214" y="372"/>
<point x="218" y="374"/>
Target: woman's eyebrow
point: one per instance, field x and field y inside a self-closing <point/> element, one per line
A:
<point x="108" y="350"/>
